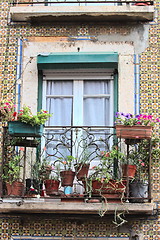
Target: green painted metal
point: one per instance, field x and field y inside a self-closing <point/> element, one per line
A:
<point x="115" y="92"/>
<point x="77" y="60"/>
<point x="21" y="129"/>
<point x="40" y="81"/>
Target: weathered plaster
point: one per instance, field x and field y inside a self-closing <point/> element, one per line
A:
<point x="138" y="36"/>
<point x="125" y="51"/>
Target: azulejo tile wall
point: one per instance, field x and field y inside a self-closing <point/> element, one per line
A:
<point x="149" y="102"/>
<point x="47" y="226"/>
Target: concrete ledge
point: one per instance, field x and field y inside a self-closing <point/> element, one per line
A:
<point x="74" y="207"/>
<point x="71" y="13"/>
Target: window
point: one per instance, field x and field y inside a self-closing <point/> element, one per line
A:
<point x="79" y="97"/>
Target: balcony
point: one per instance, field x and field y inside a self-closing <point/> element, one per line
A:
<point x="89" y="10"/>
<point x="68" y="146"/>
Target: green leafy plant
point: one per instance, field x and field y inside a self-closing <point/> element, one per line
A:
<point x="104" y="171"/>
<point x="139" y="156"/>
<point x="45" y="170"/>
<point x="132" y="120"/>
<point x="66" y="163"/>
<point x="25" y="115"/>
<point x="12" y="169"/>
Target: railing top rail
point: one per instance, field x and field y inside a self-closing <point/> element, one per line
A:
<point x="81" y="1"/>
<point x="79" y="126"/>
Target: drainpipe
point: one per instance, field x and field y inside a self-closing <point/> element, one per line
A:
<point x="18" y="75"/>
<point x="136" y="84"/>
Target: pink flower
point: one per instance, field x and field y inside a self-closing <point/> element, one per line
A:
<point x="142" y="164"/>
<point x="107" y="154"/>
<point x="144" y="116"/>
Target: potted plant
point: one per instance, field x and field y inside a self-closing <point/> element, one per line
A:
<point x="11" y="176"/>
<point x="6" y="110"/>
<point x="82" y="165"/>
<point x="130" y="126"/>
<point x="102" y="178"/>
<point x="138" y="187"/>
<point x="24" y="123"/>
<point x="51" y="178"/>
<point x="67" y="174"/>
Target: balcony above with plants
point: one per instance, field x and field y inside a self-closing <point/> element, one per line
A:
<point x="47" y="11"/>
<point x="77" y="169"/>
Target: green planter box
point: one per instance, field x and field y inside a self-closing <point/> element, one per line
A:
<point x="20" y="129"/>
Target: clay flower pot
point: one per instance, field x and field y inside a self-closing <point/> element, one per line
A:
<point x="128" y="170"/>
<point x="51" y="186"/>
<point x="82" y="171"/>
<point x="134" y="132"/>
<point x="15" y="189"/>
<point x="67" y="178"/>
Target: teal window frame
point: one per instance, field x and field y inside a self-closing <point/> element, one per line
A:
<point x="77" y="60"/>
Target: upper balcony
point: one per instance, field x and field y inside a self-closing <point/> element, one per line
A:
<point x="35" y="11"/>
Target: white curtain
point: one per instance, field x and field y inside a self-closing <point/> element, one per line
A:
<point x="96" y="107"/>
<point x="61" y="104"/>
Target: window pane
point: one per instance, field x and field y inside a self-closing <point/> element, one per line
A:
<point x="61" y="110"/>
<point x="59" y="102"/>
<point x="96" y="103"/>
<point x="96" y="112"/>
<point x="59" y="88"/>
<point x="96" y="87"/>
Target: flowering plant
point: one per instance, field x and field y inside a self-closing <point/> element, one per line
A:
<point x="66" y="162"/>
<point x="104" y="170"/>
<point x="6" y="110"/>
<point x="46" y="170"/>
<point x="25" y="115"/>
<point x="132" y="120"/>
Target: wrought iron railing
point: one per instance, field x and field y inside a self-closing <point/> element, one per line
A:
<point x="81" y="2"/>
<point x="97" y="145"/>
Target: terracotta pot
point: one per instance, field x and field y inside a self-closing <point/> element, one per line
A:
<point x="82" y="171"/>
<point x="110" y="187"/>
<point x="51" y="186"/>
<point x="134" y="132"/>
<point x="15" y="189"/>
<point x="67" y="178"/>
<point x="128" y="170"/>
